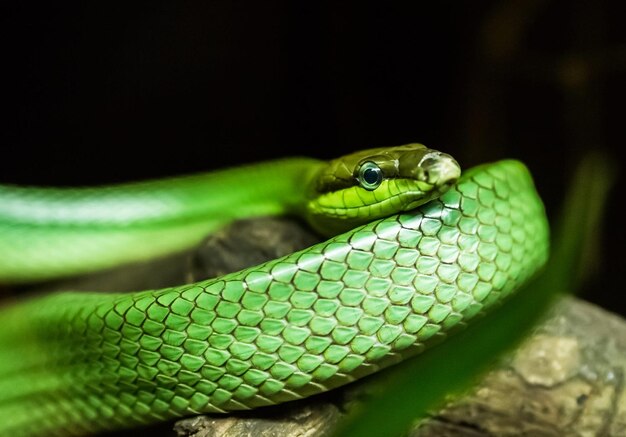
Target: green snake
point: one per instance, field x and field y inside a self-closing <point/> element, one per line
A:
<point x="416" y="249"/>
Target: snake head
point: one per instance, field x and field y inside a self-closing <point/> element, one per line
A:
<point x="374" y="183"/>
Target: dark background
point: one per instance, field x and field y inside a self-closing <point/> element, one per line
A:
<point x="95" y="94"/>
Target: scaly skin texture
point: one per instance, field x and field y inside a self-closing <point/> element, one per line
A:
<point x="74" y="363"/>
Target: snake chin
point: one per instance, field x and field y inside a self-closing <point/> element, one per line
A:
<point x="437" y="192"/>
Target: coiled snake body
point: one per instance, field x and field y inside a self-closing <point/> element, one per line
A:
<point x="75" y="363"/>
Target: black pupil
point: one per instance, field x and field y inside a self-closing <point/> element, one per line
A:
<point x="371" y="175"/>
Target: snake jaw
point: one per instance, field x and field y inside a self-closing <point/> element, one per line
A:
<point x="435" y="174"/>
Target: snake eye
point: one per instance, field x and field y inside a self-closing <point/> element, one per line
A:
<point x="370" y="176"/>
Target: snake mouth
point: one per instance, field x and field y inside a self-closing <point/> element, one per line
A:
<point x="436" y="192"/>
<point x="401" y="195"/>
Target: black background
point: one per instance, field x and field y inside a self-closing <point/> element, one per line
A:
<point x="103" y="93"/>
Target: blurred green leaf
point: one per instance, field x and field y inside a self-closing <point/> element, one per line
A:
<point x="425" y="382"/>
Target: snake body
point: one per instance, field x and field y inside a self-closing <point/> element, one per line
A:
<point x="76" y="363"/>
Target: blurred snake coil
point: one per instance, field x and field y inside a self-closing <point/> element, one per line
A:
<point x="74" y="363"/>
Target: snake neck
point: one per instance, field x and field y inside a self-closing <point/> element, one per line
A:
<point x="48" y="233"/>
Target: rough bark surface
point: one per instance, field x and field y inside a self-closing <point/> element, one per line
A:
<point x="566" y="380"/>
